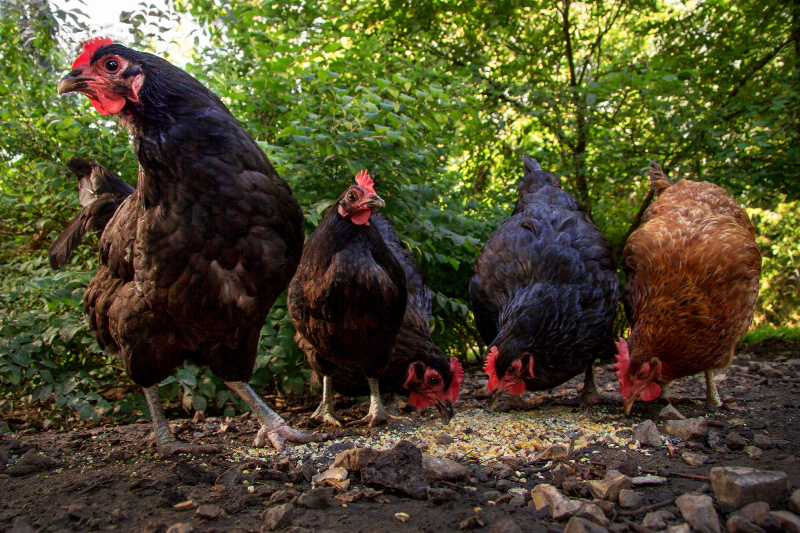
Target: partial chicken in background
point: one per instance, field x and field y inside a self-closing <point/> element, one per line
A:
<point x="192" y="262"/>
<point x="100" y="193"/>
<point x="417" y="367"/>
<point x="692" y="272"/>
<point x="348" y="298"/>
<point x="544" y="292"/>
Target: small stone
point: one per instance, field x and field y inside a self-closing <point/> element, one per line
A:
<point x="648" y="480"/>
<point x="734" y="441"/>
<point x="789" y="522"/>
<point x="686" y="429"/>
<point x="670" y="413"/>
<point x="739" y="524"/>
<point x="736" y="486"/>
<point x="551" y="453"/>
<point x="439" y="469"/>
<point x="716" y="439"/>
<point x="473" y="522"/>
<point x="561" y="507"/>
<point x="316" y="498"/>
<point x="278" y="517"/>
<point x="80" y="511"/>
<point x="758" y="513"/>
<point x="608" y="489"/>
<point x="284" y="465"/>
<point x="753" y="452"/>
<point x="209" y="512"/>
<point x="230" y="477"/>
<point x="763" y="442"/>
<point x="794" y="500"/>
<point x="581" y="525"/>
<point x="443" y="439"/>
<point x="490" y="495"/>
<point x="647" y="434"/>
<point x="505" y="525"/>
<point x="680" y="528"/>
<point x="503" y="485"/>
<point x="605" y="506"/>
<point x="440" y="496"/>
<point x="184" y="506"/>
<point x="282" y="496"/>
<point x="402" y="517"/>
<point x="336" y="474"/>
<point x="699" y="513"/>
<point x="31" y="462"/>
<point x="356" y="459"/>
<point x="694" y="459"/>
<point x="654" y="520"/>
<point x="592" y="512"/>
<point x="629" y="499"/>
<point x="180" y="528"/>
<point x="517" y="501"/>
<point x="560" y="474"/>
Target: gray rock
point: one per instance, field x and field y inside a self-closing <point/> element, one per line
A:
<point x="716" y="439"/>
<point x="648" y="480"/>
<point x="282" y="495"/>
<point x="400" y="469"/>
<point x="560" y="474"/>
<point x="492" y="495"/>
<point x="654" y="520"/>
<point x="180" y="528"/>
<point x="32" y="462"/>
<point x="680" y="528"/>
<point x="686" y="429"/>
<point x="444" y="439"/>
<point x="230" y="477"/>
<point x="794" y="500"/>
<point x="278" y="517"/>
<point x="316" y="498"/>
<point x="608" y="489"/>
<point x="209" y="512"/>
<point x="505" y="525"/>
<point x="753" y="452"/>
<point x="699" y="512"/>
<point x="789" y="522"/>
<point x="503" y="485"/>
<point x="736" y="486"/>
<point x="629" y="499"/>
<point x="438" y="469"/>
<point x="734" y="441"/>
<point x="740" y="524"/>
<point x="763" y="442"/>
<point x="646" y="434"/>
<point x="517" y="501"/>
<point x="758" y="513"/>
<point x="551" y="453"/>
<point x="440" y="496"/>
<point x="670" y="413"/>
<point x="581" y="525"/>
<point x="694" y="459"/>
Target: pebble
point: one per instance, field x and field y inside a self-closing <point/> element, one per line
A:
<point x="753" y="452"/>
<point x="184" y="506"/>
<point x="716" y="440"/>
<point x="551" y="453"/>
<point x="763" y="442"/>
<point x="694" y="459"/>
<point x="629" y="499"/>
<point x="440" y="496"/>
<point x="758" y="513"/>
<point x="316" y="498"/>
<point x="654" y="520"/>
<point x="560" y="474"/>
<point x="444" y="439"/>
<point x="789" y="522"/>
<point x="699" y="513"/>
<point x="230" y="477"/>
<point x="581" y="525"/>
<point x="503" y="485"/>
<point x="282" y="496"/>
<point x="646" y="434"/>
<point x="648" y="480"/>
<point x="180" y="528"/>
<point x="209" y="512"/>
<point x="734" y="441"/>
<point x="335" y="474"/>
<point x="681" y="528"/>
<point x="505" y="525"/>
<point x="517" y="501"/>
<point x="794" y="502"/>
<point x="491" y="495"/>
<point x="608" y="489"/>
<point x="439" y="469"/>
<point x="739" y="524"/>
<point x="686" y="429"/>
<point x="736" y="486"/>
<point x="473" y="522"/>
<point x="670" y="413"/>
<point x="278" y="517"/>
<point x="402" y="517"/>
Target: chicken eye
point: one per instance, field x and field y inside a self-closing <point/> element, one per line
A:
<point x="112" y="65"/>
<point x="351" y="196"/>
<point x="642" y="373"/>
<point x="433" y="380"/>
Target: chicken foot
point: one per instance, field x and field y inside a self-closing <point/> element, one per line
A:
<point x="712" y="394"/>
<point x="325" y="413"/>
<point x="166" y="441"/>
<point x="273" y="427"/>
<point x="377" y="413"/>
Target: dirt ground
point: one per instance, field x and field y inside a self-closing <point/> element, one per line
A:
<point x="110" y="479"/>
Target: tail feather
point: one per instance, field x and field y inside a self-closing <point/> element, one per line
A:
<point x="100" y="193"/>
<point x="658" y="180"/>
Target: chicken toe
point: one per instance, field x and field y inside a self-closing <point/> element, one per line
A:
<point x="166" y="442"/>
<point x="377" y="412"/>
<point x="278" y="437"/>
<point x="325" y="413"/>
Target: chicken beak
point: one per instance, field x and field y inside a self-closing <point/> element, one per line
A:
<point x="627" y="403"/>
<point x="445" y="409"/>
<point x="492" y="401"/>
<point x="72" y="82"/>
<point x="374" y="202"/>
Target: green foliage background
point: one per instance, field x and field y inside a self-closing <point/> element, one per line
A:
<point x="437" y="99"/>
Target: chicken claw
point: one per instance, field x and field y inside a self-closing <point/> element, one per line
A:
<point x="278" y="437"/>
<point x="325" y="412"/>
<point x="377" y="413"/>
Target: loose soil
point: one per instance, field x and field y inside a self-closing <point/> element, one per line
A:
<point x="110" y="478"/>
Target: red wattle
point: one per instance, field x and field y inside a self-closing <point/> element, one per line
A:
<point x="651" y="392"/>
<point x="418" y="400"/>
<point x="362" y="217"/>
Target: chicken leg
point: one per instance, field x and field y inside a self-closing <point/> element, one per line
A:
<point x="273" y="427"/>
<point x="325" y="413"/>
<point x="712" y="394"/>
<point x="589" y="394"/>
<point x="165" y="440"/>
<point x="377" y="413"/>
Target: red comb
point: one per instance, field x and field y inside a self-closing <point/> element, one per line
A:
<point x="89" y="48"/>
<point x="365" y="182"/>
<point x="488" y="367"/>
<point x="458" y="376"/>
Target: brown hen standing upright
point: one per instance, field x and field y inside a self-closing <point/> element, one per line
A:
<point x="194" y="258"/>
<point x="692" y="272"/>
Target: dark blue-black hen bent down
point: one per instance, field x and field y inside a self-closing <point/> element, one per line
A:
<point x="544" y="292"/>
<point x="192" y="261"/>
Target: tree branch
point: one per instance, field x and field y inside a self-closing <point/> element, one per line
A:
<point x="764" y="60"/>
